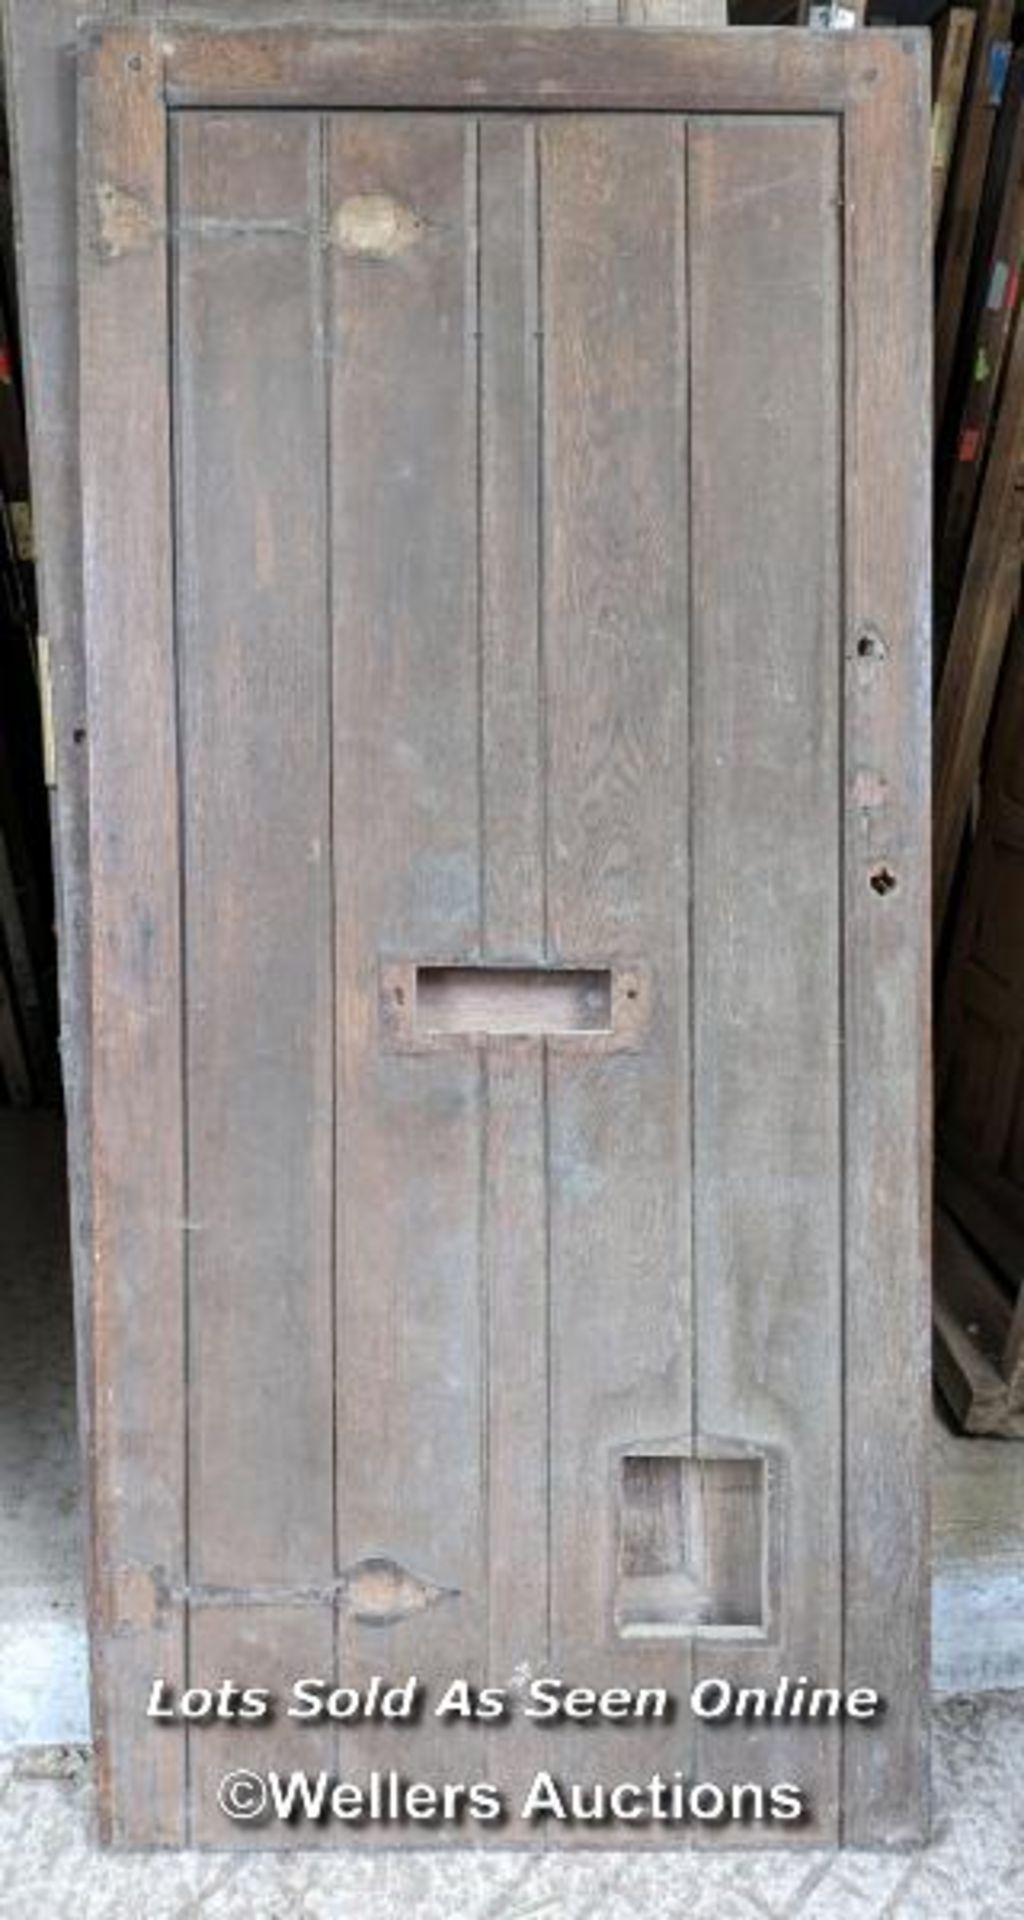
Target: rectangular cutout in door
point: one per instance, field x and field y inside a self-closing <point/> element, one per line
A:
<point x="432" y="1004"/>
<point x="691" y="1546"/>
<point x="513" y="1000"/>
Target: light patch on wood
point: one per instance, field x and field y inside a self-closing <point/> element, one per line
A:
<point x="124" y="223"/>
<point x="870" y="789"/>
<point x="139" y="1598"/>
<point x="373" y="226"/>
<point x="379" y="1592"/>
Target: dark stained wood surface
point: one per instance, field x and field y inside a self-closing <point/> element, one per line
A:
<point x="401" y="211"/>
<point x="569" y="874"/>
<point x="258" y="890"/>
<point x="760" y="70"/>
<point x="615" y="642"/>
<point x="139" y="1226"/>
<point x="767" y="848"/>
<point x="887" y="954"/>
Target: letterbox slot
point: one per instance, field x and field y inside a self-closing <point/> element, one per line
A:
<point x="529" y="1000"/>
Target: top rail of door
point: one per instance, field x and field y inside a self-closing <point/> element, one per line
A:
<point x="733" y="70"/>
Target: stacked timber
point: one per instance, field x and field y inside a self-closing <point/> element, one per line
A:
<point x="979" y="722"/>
<point x="27" y="960"/>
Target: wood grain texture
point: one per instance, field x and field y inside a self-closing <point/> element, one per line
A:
<point x="886" y="964"/>
<point x="674" y="13"/>
<point x="545" y="575"/>
<point x="411" y="1415"/>
<point x="253" y="660"/>
<point x="615" y="645"/>
<point x="40" y="39"/>
<point x="755" y="70"/>
<point x="953" y="40"/>
<point x="137" y="1303"/>
<point x="767" y="1169"/>
<point x="514" y="1170"/>
<point x="281" y="1642"/>
<point x="511" y="743"/>
<point x="255" y="756"/>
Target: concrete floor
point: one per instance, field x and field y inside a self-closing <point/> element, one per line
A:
<point x="43" y="1690"/>
<point x="49" y="1865"/>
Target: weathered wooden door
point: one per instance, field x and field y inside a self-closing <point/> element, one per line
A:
<point x="505" y="565"/>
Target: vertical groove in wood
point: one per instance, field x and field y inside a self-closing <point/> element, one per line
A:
<point x="325" y="303"/>
<point x="514" y="1198"/>
<point x="686" y="305"/>
<point x="173" y="201"/>
<point x="887" y="967"/>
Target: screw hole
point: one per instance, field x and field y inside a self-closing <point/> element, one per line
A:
<point x="870" y="646"/>
<point x="630" y="993"/>
<point x="883" y="880"/>
<point x="135" y="63"/>
<point x="78" y="735"/>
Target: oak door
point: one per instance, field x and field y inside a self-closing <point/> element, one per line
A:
<point x="504" y="834"/>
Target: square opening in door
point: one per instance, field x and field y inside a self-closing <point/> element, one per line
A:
<point x="691" y="1545"/>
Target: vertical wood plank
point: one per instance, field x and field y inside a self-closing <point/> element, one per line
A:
<point x="255" y="755"/>
<point x="614" y="651"/>
<point x="951" y="53"/>
<point x="137" y="1302"/>
<point x="411" y="1339"/>
<point x="764" y="227"/>
<point x="255" y="752"/>
<point x="888" y="951"/>
<point x="271" y="1644"/>
<point x="513" y="1168"/>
